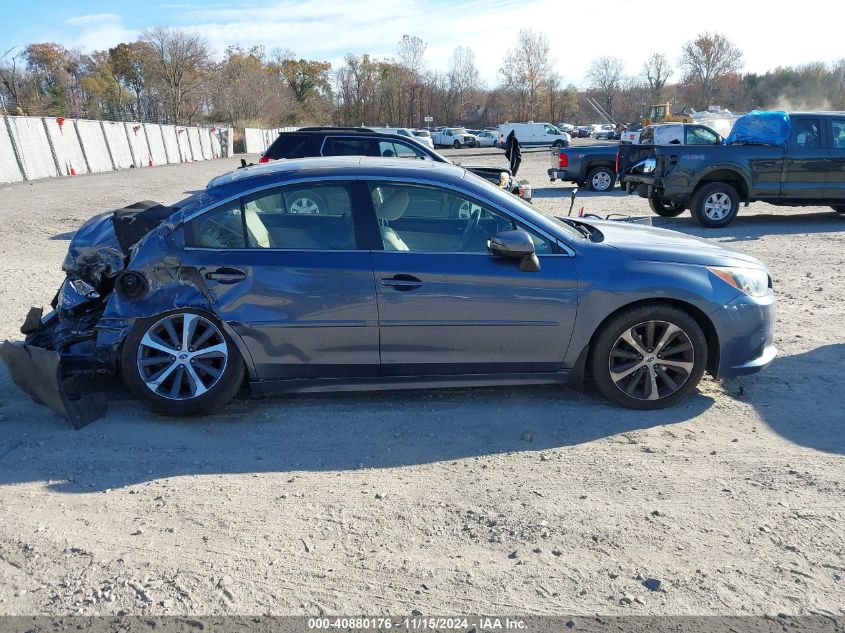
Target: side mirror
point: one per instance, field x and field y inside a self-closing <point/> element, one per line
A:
<point x="515" y="245"/>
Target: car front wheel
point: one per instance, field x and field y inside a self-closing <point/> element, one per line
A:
<point x="182" y="363"/>
<point x="457" y="144"/>
<point x="649" y="357"/>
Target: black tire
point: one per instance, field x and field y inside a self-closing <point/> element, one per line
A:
<point x="666" y="209"/>
<point x="839" y="208"/>
<point x="456" y="144"/>
<point x="601" y="179"/>
<point x="221" y="389"/>
<point x="635" y="374"/>
<point x="715" y="205"/>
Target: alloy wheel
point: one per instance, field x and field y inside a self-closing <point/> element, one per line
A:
<point x="717" y="206"/>
<point x="182" y="356"/>
<point x="304" y="205"/>
<point x="601" y="181"/>
<point x="651" y="360"/>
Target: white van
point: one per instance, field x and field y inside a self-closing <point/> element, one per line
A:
<point x="533" y="134"/>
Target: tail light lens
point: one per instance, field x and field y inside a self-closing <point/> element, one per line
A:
<point x="263" y="160"/>
<point x="563" y="160"/>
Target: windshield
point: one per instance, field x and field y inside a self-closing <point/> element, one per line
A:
<point x="526" y="210"/>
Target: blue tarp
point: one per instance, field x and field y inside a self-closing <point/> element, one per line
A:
<point x="764" y="128"/>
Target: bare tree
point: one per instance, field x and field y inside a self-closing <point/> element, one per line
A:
<point x="411" y="52"/>
<point x="526" y="70"/>
<point x="464" y="80"/>
<point x="180" y="62"/>
<point x="605" y="77"/>
<point x="657" y="71"/>
<point x="707" y="61"/>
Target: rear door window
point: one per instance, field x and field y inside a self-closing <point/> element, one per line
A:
<point x="289" y="146"/>
<point x="348" y="146"/>
<point x="838" y="127"/>
<point x="392" y="149"/>
<point x="697" y="135"/>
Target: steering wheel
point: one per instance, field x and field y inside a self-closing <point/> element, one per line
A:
<point x="472" y="224"/>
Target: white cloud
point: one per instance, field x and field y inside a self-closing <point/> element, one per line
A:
<point x="98" y="31"/>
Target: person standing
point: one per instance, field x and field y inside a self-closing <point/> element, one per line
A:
<point x="513" y="152"/>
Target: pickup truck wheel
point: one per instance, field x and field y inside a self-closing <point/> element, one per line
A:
<point x="601" y="179"/>
<point x="648" y="357"/>
<point x="715" y="205"/>
<point x="666" y="209"/>
<point x="839" y="208"/>
<point x="457" y="144"/>
<point x="557" y="144"/>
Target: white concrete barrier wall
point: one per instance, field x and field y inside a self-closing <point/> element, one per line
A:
<point x="254" y="140"/>
<point x="184" y="144"/>
<point x="68" y="151"/>
<point x="215" y="135"/>
<point x="205" y="143"/>
<point x="10" y="171"/>
<point x="195" y="144"/>
<point x="94" y="145"/>
<point x="171" y="145"/>
<point x="138" y="144"/>
<point x="155" y="142"/>
<point x="118" y="144"/>
<point x="30" y="136"/>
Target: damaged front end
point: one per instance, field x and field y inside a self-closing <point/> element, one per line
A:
<point x="74" y="338"/>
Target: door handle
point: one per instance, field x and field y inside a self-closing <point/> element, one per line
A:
<point x="226" y="275"/>
<point x="401" y="282"/>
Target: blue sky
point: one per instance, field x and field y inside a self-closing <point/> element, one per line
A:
<point x="328" y="29"/>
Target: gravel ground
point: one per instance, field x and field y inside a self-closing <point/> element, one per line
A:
<point x="507" y="500"/>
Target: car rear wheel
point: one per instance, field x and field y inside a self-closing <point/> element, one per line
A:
<point x="666" y="209"/>
<point x="649" y="357"/>
<point x="304" y="203"/>
<point x="715" y="205"/>
<point x="601" y="179"/>
<point x="182" y="363"/>
<point x="839" y="208"/>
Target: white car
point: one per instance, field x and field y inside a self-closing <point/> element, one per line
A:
<point x="486" y="138"/>
<point x="423" y="137"/>
<point x="456" y="137"/>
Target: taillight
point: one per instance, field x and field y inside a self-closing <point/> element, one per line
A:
<point x="617" y="161"/>
<point x="563" y="160"/>
<point x="264" y="159"/>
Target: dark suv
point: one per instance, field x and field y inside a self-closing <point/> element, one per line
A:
<point x="309" y="142"/>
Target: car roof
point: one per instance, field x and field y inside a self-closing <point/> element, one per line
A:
<point x="373" y="167"/>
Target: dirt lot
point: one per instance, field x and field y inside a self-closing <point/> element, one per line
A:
<point x="506" y="500"/>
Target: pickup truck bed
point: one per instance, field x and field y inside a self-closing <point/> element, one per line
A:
<point x="593" y="166"/>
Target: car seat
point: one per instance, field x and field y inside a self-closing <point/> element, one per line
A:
<point x="391" y="209"/>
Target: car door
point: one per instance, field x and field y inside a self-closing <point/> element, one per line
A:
<point x="447" y="306"/>
<point x="807" y="160"/>
<point x="836" y="170"/>
<point x="286" y="268"/>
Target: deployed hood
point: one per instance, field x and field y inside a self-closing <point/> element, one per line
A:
<point x="661" y="245"/>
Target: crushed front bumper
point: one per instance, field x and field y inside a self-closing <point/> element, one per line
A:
<point x="38" y="373"/>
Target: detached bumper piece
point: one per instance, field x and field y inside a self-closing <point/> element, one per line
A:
<point x="38" y="373"/>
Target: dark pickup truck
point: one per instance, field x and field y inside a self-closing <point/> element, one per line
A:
<point x="593" y="166"/>
<point x="808" y="169"/>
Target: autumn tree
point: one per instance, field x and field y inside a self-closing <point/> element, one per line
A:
<point x="308" y="81"/>
<point x="707" y="61"/>
<point x="464" y="82"/>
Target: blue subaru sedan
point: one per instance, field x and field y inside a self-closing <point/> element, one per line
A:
<point x="353" y="273"/>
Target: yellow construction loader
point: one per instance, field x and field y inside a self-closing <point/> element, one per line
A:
<point x="662" y="113"/>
